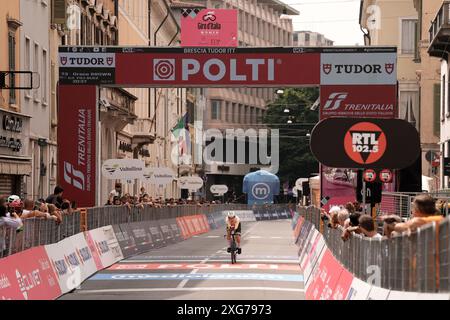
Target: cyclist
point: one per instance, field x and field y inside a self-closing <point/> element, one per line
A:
<point x="233" y="223"/>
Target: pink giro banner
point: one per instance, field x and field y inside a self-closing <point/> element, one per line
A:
<point x="28" y="275"/>
<point x="209" y="28"/>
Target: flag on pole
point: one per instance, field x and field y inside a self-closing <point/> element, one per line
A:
<point x="181" y="133"/>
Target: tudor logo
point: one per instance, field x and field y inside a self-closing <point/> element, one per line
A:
<point x="389" y="67"/>
<point x="327" y="68"/>
<point x="87" y="60"/>
<point x="365" y="143"/>
<point x="335" y="100"/>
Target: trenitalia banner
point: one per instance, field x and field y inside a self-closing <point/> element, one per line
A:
<point x="365" y="143"/>
<point x="225" y="67"/>
<point x="358" y="101"/>
<point x="77" y="148"/>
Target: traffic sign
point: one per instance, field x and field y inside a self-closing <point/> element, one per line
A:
<point x="386" y="176"/>
<point x="370" y="175"/>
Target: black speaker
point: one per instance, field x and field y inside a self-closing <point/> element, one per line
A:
<point x="305" y="187"/>
<point x="373" y="190"/>
<point x="410" y="179"/>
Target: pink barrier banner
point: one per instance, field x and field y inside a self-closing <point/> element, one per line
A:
<point x="209" y="28"/>
<point x="28" y="275"/>
<point x="326" y="278"/>
<point x="343" y="285"/>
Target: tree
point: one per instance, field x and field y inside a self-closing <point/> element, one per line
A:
<point x="296" y="159"/>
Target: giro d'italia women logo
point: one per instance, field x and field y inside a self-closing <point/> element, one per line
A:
<point x="365" y="143"/>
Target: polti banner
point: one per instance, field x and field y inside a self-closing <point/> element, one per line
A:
<point x="28" y="275"/>
<point x="225" y="67"/>
<point x="77" y="152"/>
<point x="193" y="67"/>
<point x="209" y="28"/>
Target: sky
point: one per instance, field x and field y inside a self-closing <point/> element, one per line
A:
<point x="338" y="20"/>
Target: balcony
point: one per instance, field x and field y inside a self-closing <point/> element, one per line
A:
<point x="440" y="33"/>
<point x="141" y="130"/>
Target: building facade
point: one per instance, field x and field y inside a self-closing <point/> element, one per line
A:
<point x="15" y="152"/>
<point x="403" y="24"/>
<point x="311" y="39"/>
<point x="260" y="24"/>
<point x="438" y="35"/>
<point x="35" y="57"/>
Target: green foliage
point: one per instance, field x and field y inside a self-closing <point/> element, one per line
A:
<point x="296" y="159"/>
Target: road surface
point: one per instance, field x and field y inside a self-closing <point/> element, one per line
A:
<point x="200" y="269"/>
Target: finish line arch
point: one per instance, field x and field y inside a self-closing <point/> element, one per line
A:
<point x="353" y="81"/>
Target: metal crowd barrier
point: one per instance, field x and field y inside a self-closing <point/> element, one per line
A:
<point x="400" y="203"/>
<point x="419" y="262"/>
<point x="38" y="231"/>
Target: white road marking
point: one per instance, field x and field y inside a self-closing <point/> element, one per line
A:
<point x="192" y="289"/>
<point x="211" y="259"/>
<point x="213" y="237"/>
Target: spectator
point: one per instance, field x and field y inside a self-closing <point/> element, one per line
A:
<point x="334" y="212"/>
<point x="116" y="201"/>
<point x="13" y="222"/>
<point x="354" y="226"/>
<point x="423" y="212"/>
<point x="342" y="216"/>
<point x="117" y="191"/>
<point x="353" y="220"/>
<point x="53" y="211"/>
<point x="357" y="206"/>
<point x="56" y="198"/>
<point x="350" y="207"/>
<point x="143" y="192"/>
<point x="368" y="228"/>
<point x="66" y="207"/>
<point x="29" y="211"/>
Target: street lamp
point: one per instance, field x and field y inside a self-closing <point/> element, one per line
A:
<point x="289" y="121"/>
<point x="286" y="110"/>
<point x="279" y="91"/>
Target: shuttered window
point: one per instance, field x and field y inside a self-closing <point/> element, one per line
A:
<point x="437" y="107"/>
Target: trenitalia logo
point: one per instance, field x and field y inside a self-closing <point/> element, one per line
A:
<point x="74" y="177"/>
<point x="216" y="70"/>
<point x="334" y="100"/>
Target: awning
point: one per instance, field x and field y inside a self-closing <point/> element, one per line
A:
<point x="15" y="167"/>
